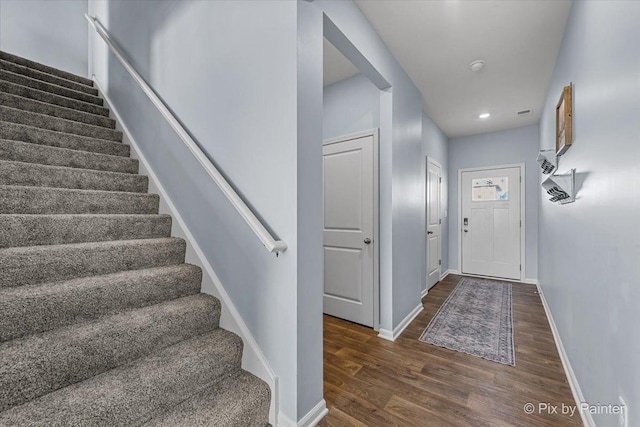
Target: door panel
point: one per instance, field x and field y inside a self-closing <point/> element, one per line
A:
<point x="348" y="200"/>
<point x="434" y="248"/>
<point x="491" y="237"/>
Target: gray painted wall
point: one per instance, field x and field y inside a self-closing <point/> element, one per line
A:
<point x="589" y="250"/>
<point x="498" y="148"/>
<point x="229" y="75"/>
<point x="435" y="145"/>
<point x="351" y="105"/>
<point x="51" y="32"/>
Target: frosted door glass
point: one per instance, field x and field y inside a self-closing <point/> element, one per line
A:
<point x="484" y="189"/>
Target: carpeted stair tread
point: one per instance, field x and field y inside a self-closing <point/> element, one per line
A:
<point x="33" y="174"/>
<point x="27" y="104"/>
<point x="6" y="56"/>
<point x="131" y="394"/>
<point x="41" y="363"/>
<point x="31" y="265"/>
<point x="23" y="80"/>
<point x="34" y="135"/>
<point x="238" y="401"/>
<point x="58" y="229"/>
<point x="43" y="121"/>
<point x="46" y="77"/>
<point x="52" y="98"/>
<point x="26" y="310"/>
<point x="42" y="200"/>
<point x="45" y="155"/>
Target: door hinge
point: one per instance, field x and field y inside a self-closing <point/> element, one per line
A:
<point x="439" y="262"/>
<point x="440" y="180"/>
<point x="520" y="223"/>
<point x="440" y="221"/>
<point x="520" y="267"/>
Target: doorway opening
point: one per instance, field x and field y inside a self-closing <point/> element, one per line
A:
<point x="350" y="167"/>
<point x="433" y="224"/>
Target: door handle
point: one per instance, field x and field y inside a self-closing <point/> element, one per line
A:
<point x="367" y="241"/>
<point x="466" y="231"/>
<point x="429" y="232"/>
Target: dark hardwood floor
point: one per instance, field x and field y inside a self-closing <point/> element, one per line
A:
<point x="372" y="382"/>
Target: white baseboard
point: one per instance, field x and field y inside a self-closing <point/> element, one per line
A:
<point x="530" y="281"/>
<point x="587" y="418"/>
<point x="393" y="335"/>
<point x="424" y="293"/>
<point x="253" y="360"/>
<point x="312" y="418"/>
<point x="446" y="273"/>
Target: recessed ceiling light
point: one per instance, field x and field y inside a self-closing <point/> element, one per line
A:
<point x="477" y="65"/>
<point x="484" y="116"/>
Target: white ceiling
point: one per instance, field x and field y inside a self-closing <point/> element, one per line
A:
<point x="435" y="41"/>
<point x="336" y="66"/>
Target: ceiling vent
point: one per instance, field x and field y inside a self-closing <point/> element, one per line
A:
<point x="524" y="113"/>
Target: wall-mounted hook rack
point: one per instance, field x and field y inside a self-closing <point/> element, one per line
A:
<point x="548" y="161"/>
<point x="561" y="187"/>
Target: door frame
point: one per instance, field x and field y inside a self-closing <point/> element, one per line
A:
<point x="425" y="291"/>
<point x="522" y="214"/>
<point x="376" y="213"/>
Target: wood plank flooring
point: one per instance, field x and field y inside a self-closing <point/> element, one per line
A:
<point x="372" y="382"/>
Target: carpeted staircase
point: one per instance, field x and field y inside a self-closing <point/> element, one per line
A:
<point x="101" y="321"/>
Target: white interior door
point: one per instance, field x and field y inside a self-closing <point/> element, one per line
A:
<point x="434" y="224"/>
<point x="491" y="221"/>
<point x="348" y="176"/>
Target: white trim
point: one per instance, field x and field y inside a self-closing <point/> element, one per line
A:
<point x="311" y="419"/>
<point x="393" y="335"/>
<point x="446" y="273"/>
<point x="236" y="201"/>
<point x="253" y="360"/>
<point x="426" y="220"/>
<point x="424" y="293"/>
<point x="522" y="213"/>
<point x="587" y="419"/>
<point x="376" y="212"/>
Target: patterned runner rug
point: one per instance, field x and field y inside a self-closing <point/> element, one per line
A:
<point x="476" y="319"/>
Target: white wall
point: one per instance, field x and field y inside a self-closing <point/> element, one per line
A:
<point x="589" y="250"/>
<point x="350" y="105"/>
<point x="436" y="146"/>
<point x="498" y="148"/>
<point x="228" y="72"/>
<point x="53" y="33"/>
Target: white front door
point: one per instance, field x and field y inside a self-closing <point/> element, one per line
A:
<point x="434" y="256"/>
<point x="348" y="192"/>
<point x="490" y="222"/>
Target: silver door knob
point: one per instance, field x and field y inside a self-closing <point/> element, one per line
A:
<point x="367" y="241"/>
<point x="466" y="231"/>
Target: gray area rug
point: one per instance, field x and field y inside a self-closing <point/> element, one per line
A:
<point x="476" y="319"/>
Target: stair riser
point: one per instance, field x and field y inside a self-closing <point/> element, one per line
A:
<point x="45" y="77"/>
<point x="26" y="104"/>
<point x="34" y="200"/>
<point x="43" y="121"/>
<point x="44" y="363"/>
<point x="17" y="132"/>
<point x="34" y="309"/>
<point x="48" y="87"/>
<point x="34" y="175"/>
<point x="35" y="230"/>
<point x="39" y="264"/>
<point x="44" y="155"/>
<point x="53" y="99"/>
<point x="131" y="394"/>
<point x="44" y="68"/>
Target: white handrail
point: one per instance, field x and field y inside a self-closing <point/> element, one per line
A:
<point x="267" y="239"/>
